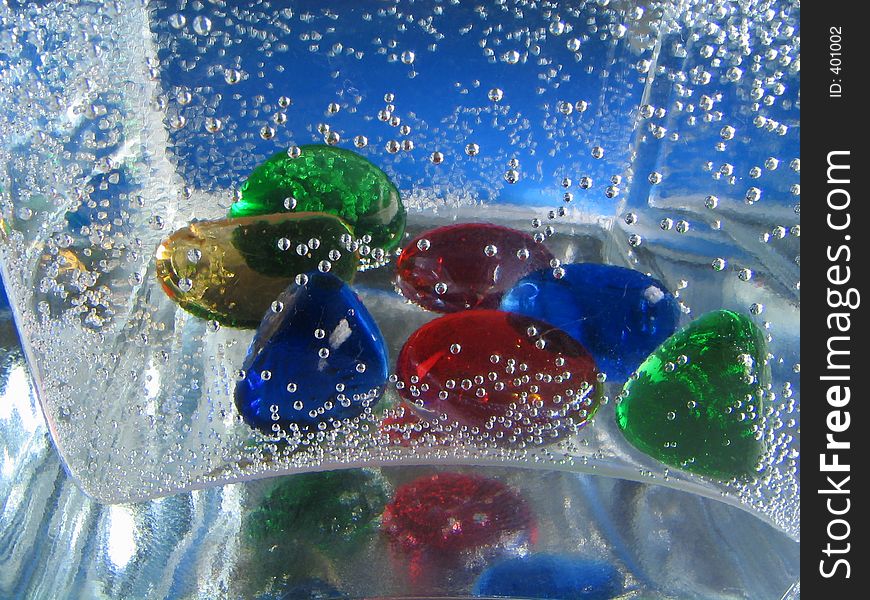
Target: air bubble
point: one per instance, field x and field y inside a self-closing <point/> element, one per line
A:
<point x="177" y="21"/>
<point x="213" y="124"/>
<point x="202" y="25"/>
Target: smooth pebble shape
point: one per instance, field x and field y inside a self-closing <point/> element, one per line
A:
<point x="618" y="314"/>
<point x="331" y="180"/>
<point x="316" y="363"/>
<point x="697" y="402"/>
<point x="231" y="270"/>
<point x="466" y="266"/>
<point x="508" y="378"/>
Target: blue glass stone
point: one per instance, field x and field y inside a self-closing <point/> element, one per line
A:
<point x="551" y="576"/>
<point x="318" y="357"/>
<point x="618" y="314"/>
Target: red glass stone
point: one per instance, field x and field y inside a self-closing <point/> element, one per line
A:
<point x="500" y="377"/>
<point x="452" y="513"/>
<point x="466" y="266"/>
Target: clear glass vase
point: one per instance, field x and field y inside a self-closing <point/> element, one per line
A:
<point x="657" y="136"/>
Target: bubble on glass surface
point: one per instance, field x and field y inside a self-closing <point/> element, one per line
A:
<point x="202" y="25"/>
<point x="177" y="21"/>
<point x="213" y="124"/>
<point x="267" y="132"/>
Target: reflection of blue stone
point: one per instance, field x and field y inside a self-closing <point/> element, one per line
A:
<point x="319" y="358"/>
<point x="620" y="315"/>
<point x="550" y="576"/>
<point x="4" y="300"/>
<point x="309" y="589"/>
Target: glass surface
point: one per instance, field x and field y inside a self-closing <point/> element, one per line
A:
<point x="55" y="542"/>
<point x="657" y="136"/>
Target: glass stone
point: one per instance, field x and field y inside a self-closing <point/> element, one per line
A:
<point x="303" y="367"/>
<point x="449" y="514"/>
<point x="618" y="314"/>
<point x="551" y="576"/>
<point x="231" y="270"/>
<point x="466" y="266"/>
<point x="697" y="402"/>
<point x="515" y="379"/>
<point x="330" y="180"/>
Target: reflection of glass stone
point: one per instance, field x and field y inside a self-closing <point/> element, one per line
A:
<point x="618" y="314"/>
<point x="551" y="576"/>
<point x="330" y="180"/>
<point x="316" y="361"/>
<point x="332" y="510"/>
<point x="232" y="270"/>
<point x="697" y="402"/>
<point x="451" y="513"/>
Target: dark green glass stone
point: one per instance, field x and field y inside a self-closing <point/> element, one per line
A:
<point x="331" y="180"/>
<point x="697" y="401"/>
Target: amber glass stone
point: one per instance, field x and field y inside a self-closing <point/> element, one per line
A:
<point x="231" y="270"/>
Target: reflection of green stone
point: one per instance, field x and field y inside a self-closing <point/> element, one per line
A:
<point x="232" y="270"/>
<point x="330" y="180"/>
<point x="332" y="510"/>
<point x="697" y="401"/>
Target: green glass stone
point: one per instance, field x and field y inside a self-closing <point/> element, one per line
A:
<point x="331" y="180"/>
<point x="231" y="270"/>
<point x="697" y="401"/>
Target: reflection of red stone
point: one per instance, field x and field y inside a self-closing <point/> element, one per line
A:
<point x="506" y="377"/>
<point x="447" y="514"/>
<point x="466" y="266"/>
